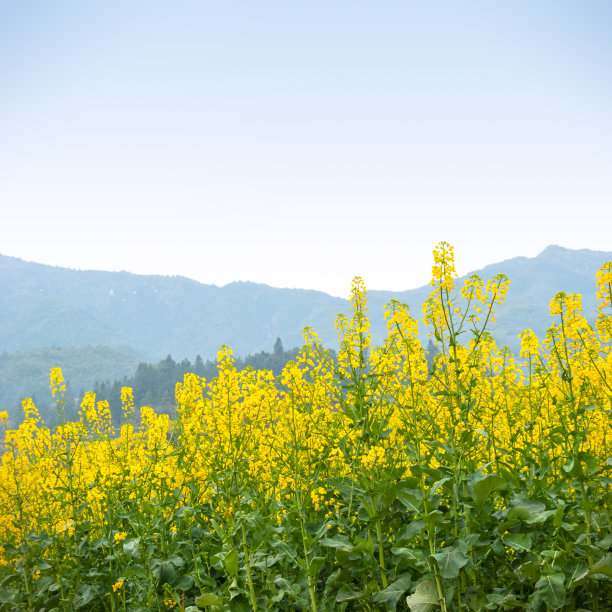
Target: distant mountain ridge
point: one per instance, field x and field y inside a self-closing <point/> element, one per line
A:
<point x="155" y="316"/>
<point x="43" y="305"/>
<point x="146" y="317"/>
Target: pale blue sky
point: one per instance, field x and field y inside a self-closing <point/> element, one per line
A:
<point x="302" y="143"/>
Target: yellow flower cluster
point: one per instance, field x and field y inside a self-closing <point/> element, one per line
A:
<point x="58" y="386"/>
<point x="379" y="410"/>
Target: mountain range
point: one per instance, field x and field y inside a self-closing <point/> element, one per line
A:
<point x="73" y="318"/>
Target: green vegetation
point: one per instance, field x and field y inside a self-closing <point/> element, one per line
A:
<point x="375" y="479"/>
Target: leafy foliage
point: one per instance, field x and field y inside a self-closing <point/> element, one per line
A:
<point x="366" y="480"/>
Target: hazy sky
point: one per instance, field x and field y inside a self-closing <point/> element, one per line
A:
<point x="302" y="143"/>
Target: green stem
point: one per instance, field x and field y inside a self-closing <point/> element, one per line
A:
<point x="381" y="555"/>
<point x="311" y="586"/>
<point x="247" y="562"/>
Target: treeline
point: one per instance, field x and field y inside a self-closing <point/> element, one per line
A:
<point x="154" y="384"/>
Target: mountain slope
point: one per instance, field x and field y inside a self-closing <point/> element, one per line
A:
<point x="158" y="315"/>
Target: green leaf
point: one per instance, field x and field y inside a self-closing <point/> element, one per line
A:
<point x="43" y="565"/>
<point x="541" y="517"/>
<point x="184" y="583"/>
<point x="412" y="554"/>
<point x="409" y="531"/>
<point x="339" y="542"/>
<point x="347" y="594"/>
<point x="394" y="591"/>
<point x="284" y="549"/>
<point x="208" y="599"/>
<point x="438" y="484"/>
<point x="603" y="566"/>
<point x="552" y="590"/>
<point x="425" y="598"/>
<point x="230" y="562"/>
<point x="532" y="505"/>
<point x="164" y="571"/>
<point x="316" y="563"/>
<point x="490" y="483"/>
<point x="518" y="512"/>
<point x="131" y="547"/>
<point x="410" y="501"/>
<point x="450" y="561"/>
<point x="84" y="596"/>
<point x="363" y="545"/>
<point x="529" y="570"/>
<point x="558" y="520"/>
<point x="579" y="575"/>
<point x="521" y="542"/>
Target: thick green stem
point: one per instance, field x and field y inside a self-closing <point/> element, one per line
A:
<point x="381" y="555"/>
<point x="311" y="586"/>
<point x="247" y="562"/>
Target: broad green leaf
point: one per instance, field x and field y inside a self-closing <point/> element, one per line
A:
<point x="552" y="590"/>
<point x="230" y="562"/>
<point x="131" y="547"/>
<point x="438" y="484"/>
<point x="541" y="517"/>
<point x="164" y="571"/>
<point x="603" y="566"/>
<point x="412" y="554"/>
<point x="363" y="545"/>
<point x="347" y="594"/>
<point x="425" y="598"/>
<point x="519" y="512"/>
<point x="503" y="602"/>
<point x="43" y="565"/>
<point x="579" y="575"/>
<point x="529" y="570"/>
<point x="394" y="591"/>
<point x="316" y="563"/>
<point x="339" y="542"/>
<point x="409" y="531"/>
<point x="490" y="483"/>
<point x="532" y="505"/>
<point x="410" y="501"/>
<point x="521" y="542"/>
<point x="284" y="549"/>
<point x="85" y="594"/>
<point x="450" y="561"/>
<point x="184" y="583"/>
<point x="208" y="599"/>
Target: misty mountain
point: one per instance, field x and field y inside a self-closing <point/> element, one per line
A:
<point x="152" y="315"/>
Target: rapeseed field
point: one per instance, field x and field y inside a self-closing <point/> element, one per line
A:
<point x="370" y="481"/>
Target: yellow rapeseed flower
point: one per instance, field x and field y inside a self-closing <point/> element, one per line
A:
<point x="57" y="384"/>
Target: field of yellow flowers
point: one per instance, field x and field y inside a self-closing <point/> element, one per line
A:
<point x="366" y="482"/>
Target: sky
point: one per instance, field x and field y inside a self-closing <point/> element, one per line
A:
<point x="300" y="144"/>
